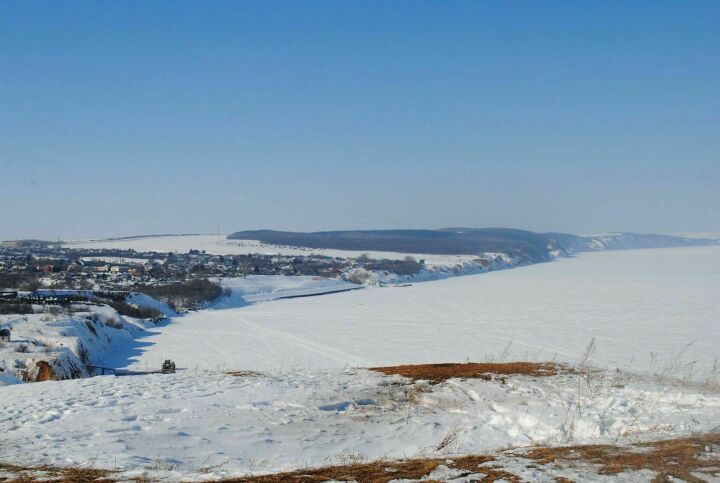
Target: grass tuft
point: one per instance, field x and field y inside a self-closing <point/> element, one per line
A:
<point x="436" y="373"/>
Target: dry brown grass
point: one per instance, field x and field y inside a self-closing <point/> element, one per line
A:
<point x="367" y="472"/>
<point x="678" y="458"/>
<point x="242" y="373"/>
<point x="384" y="471"/>
<point x="45" y="372"/>
<point x="472" y="463"/>
<point x="63" y="475"/>
<point x="441" y="372"/>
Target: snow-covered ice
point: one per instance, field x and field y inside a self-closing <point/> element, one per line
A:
<point x="263" y="288"/>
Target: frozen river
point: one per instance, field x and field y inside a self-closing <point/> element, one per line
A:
<point x="645" y="309"/>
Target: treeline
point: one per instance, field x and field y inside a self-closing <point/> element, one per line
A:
<point x="191" y="294"/>
<point x="15" y="308"/>
<point x="23" y="304"/>
<point x="30" y="282"/>
<point x="19" y="281"/>
<point x="408" y="266"/>
<point x="461" y="241"/>
<point x="123" y="308"/>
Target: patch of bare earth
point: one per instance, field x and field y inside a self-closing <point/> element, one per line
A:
<point x="440" y="372"/>
<point x="692" y="459"/>
<point x="385" y="471"/>
<point x="45" y="372"/>
<point x="45" y="473"/>
<point x="242" y="373"/>
<point x="688" y="459"/>
<point x="682" y="458"/>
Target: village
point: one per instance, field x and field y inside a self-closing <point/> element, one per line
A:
<point x="30" y="265"/>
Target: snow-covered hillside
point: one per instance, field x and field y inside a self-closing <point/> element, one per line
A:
<point x="201" y="425"/>
<point x="220" y="245"/>
<point x="489" y="262"/>
<point x="60" y="342"/>
<point x="435" y="266"/>
<point x="634" y="241"/>
<point x="56" y="345"/>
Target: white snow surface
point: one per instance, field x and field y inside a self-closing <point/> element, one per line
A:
<point x="648" y="310"/>
<point x="285" y="420"/>
<point x="263" y="288"/>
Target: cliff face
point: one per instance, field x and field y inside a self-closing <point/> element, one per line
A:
<point x="60" y="346"/>
<point x="631" y="241"/>
<point x="45" y="372"/>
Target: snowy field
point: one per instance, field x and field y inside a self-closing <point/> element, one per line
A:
<point x="264" y="288"/>
<point x="204" y="425"/>
<point x="647" y="309"/>
<point x="220" y="245"/>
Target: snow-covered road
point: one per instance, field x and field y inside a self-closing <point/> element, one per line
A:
<point x="646" y="309"/>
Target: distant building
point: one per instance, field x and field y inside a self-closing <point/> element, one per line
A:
<point x="23" y="243"/>
<point x="136" y="271"/>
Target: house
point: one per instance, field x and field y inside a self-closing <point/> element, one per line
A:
<point x="136" y="271"/>
<point x="74" y="267"/>
<point x="119" y="269"/>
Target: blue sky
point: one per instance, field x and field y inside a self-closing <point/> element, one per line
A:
<point x="123" y="118"/>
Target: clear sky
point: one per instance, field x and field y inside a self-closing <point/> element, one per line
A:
<point x="124" y="118"/>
